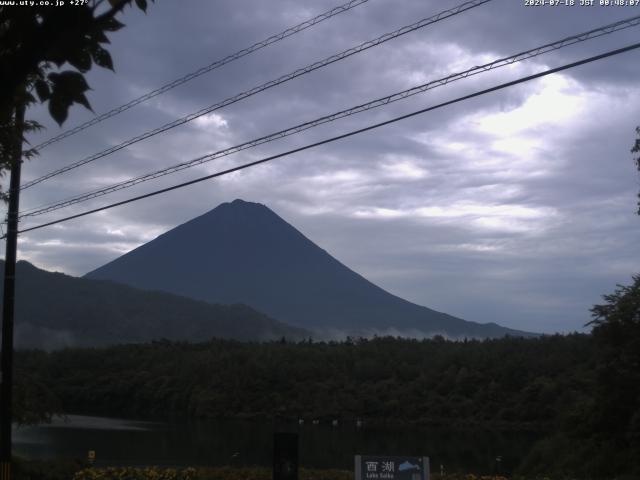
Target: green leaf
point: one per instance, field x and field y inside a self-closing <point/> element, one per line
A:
<point x="142" y="5"/>
<point x="56" y="55"/>
<point x="68" y="88"/>
<point x="69" y="81"/>
<point x="100" y="37"/>
<point x="80" y="59"/>
<point x="101" y="57"/>
<point x="82" y="100"/>
<point x="58" y="110"/>
<point x="29" y="98"/>
<point x="112" y="25"/>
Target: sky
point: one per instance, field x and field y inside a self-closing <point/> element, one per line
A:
<point x="517" y="207"/>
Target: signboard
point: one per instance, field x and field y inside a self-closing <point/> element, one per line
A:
<point x="391" y="468"/>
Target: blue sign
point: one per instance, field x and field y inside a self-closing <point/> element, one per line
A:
<point x="370" y="467"/>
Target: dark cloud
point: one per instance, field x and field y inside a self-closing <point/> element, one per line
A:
<point x="516" y="207"/>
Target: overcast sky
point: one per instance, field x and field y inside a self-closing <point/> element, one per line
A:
<point x="517" y="207"/>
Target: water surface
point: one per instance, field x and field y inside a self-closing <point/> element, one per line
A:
<point x="245" y="443"/>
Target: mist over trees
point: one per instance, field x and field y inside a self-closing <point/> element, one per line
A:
<point x="581" y="392"/>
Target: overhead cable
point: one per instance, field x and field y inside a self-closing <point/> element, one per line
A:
<point x="581" y="37"/>
<point x="201" y="71"/>
<point x="340" y="137"/>
<point x="265" y="86"/>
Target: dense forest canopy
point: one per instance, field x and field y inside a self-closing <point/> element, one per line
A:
<point x="429" y="381"/>
<point x="542" y="384"/>
<point x="582" y="392"/>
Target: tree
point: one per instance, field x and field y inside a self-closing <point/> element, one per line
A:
<point x="37" y="44"/>
<point x="636" y="149"/>
<point x="617" y="408"/>
<point x="34" y="401"/>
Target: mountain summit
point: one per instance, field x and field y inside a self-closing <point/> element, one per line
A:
<point x="242" y="252"/>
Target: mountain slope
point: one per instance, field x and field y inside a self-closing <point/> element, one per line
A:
<point x="55" y="310"/>
<point x="244" y="252"/>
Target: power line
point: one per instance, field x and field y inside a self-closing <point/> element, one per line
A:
<point x="201" y="71"/>
<point x="340" y="137"/>
<point x="265" y="86"/>
<point x="594" y="33"/>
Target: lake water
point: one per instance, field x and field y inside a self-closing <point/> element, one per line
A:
<point x="233" y="442"/>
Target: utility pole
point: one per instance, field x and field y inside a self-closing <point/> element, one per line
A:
<point x="6" y="362"/>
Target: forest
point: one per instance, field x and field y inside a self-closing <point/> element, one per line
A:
<point x="511" y="382"/>
<point x="582" y="392"/>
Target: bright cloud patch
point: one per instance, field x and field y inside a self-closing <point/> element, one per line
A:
<point x="530" y="190"/>
<point x="403" y="169"/>
<point x="509" y="218"/>
<point x="211" y="120"/>
<point x="557" y="100"/>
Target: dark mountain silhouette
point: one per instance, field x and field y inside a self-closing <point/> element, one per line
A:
<point x="54" y="310"/>
<point x="244" y="252"/>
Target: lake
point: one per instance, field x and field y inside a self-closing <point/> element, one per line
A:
<point x="248" y="443"/>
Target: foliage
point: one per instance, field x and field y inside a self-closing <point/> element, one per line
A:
<point x="554" y="384"/>
<point x="601" y="437"/>
<point x="44" y="469"/>
<point x="616" y="412"/>
<point x="582" y="390"/>
<point x="33" y="401"/>
<point x="230" y="473"/>
<point x="636" y="149"/>
<point x="36" y="45"/>
<point x="74" y="470"/>
<point x="379" y="380"/>
<point x="235" y="473"/>
<point x="134" y="473"/>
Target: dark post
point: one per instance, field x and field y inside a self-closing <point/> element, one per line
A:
<point x="285" y="456"/>
<point x="6" y="365"/>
